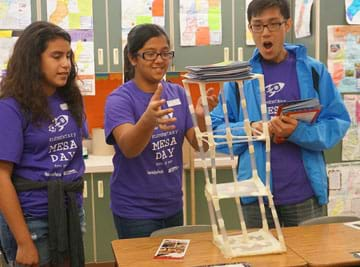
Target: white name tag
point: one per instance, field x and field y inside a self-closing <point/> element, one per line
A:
<point x="173" y="102"/>
<point x="64" y="106"/>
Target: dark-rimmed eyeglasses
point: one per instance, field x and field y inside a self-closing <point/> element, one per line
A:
<point x="272" y="27"/>
<point x="152" y="55"/>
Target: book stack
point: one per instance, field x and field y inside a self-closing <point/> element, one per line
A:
<point x="223" y="71"/>
<point x="306" y="110"/>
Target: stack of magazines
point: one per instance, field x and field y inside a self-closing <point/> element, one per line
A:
<point x="231" y="70"/>
<point x="306" y="110"/>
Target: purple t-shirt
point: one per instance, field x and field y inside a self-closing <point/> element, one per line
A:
<point x="51" y="151"/>
<point x="290" y="182"/>
<point x="149" y="185"/>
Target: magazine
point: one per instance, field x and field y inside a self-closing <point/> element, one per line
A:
<point x="172" y="249"/>
<point x="306" y="110"/>
<point x="231" y="70"/>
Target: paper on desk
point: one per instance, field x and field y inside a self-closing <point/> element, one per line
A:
<point x="172" y="249"/>
<point x="355" y="224"/>
<point x="234" y="264"/>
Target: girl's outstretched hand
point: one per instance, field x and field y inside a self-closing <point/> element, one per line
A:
<point x="157" y="116"/>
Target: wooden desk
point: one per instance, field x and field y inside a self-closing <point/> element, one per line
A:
<point x="140" y="251"/>
<point x="324" y="245"/>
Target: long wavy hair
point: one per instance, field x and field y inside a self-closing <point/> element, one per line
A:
<point x="136" y="39"/>
<point x="24" y="77"/>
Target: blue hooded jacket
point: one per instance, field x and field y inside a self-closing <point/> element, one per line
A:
<point x="329" y="128"/>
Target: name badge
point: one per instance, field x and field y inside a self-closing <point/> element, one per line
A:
<point x="173" y="102"/>
<point x="64" y="106"/>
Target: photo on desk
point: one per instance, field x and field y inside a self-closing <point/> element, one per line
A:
<point x="233" y="264"/>
<point x="172" y="249"/>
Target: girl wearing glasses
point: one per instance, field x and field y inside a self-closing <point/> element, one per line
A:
<point x="146" y="119"/>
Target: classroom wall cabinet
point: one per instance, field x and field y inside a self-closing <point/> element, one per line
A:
<point x="100" y="229"/>
<point x="88" y="206"/>
<point x="107" y="32"/>
<point x="108" y="44"/>
<point x="100" y="36"/>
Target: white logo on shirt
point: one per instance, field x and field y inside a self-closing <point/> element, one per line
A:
<point x="59" y="123"/>
<point x="272" y="89"/>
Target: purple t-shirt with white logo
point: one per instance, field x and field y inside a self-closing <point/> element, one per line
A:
<point x="52" y="150"/>
<point x="149" y="185"/>
<point x="290" y="182"/>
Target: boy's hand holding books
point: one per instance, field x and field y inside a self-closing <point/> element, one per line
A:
<point x="281" y="127"/>
<point x="289" y="113"/>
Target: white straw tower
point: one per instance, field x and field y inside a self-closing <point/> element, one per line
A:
<point x="246" y="242"/>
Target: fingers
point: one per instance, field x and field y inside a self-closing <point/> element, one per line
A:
<point x="164" y="112"/>
<point x="283" y="126"/>
<point x="165" y="123"/>
<point x="212" y="99"/>
<point x="210" y="91"/>
<point x="288" y="119"/>
<point x="166" y="127"/>
<point x="156" y="102"/>
<point x="157" y="93"/>
<point x="165" y="120"/>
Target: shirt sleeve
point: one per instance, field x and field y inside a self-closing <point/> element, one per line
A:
<point x="11" y="136"/>
<point x="118" y="110"/>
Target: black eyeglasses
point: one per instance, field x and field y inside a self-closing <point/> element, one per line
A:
<point x="272" y="27"/>
<point x="152" y="55"/>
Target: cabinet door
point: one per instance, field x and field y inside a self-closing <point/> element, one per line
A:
<point x="104" y="226"/>
<point x="100" y="36"/>
<point x="88" y="206"/>
<point x="115" y="45"/>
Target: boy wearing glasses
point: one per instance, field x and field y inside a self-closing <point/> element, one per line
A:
<point x="298" y="173"/>
<point x="147" y="119"/>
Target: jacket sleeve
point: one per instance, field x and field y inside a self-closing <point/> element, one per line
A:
<point x="332" y="123"/>
<point x="235" y="120"/>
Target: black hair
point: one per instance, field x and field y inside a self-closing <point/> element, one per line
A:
<point x="256" y="7"/>
<point x="23" y="79"/>
<point x="136" y="39"/>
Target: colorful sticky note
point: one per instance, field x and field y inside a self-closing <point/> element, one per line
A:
<point x="5" y="34"/>
<point x="203" y="36"/>
<point x="143" y="20"/>
<point x="157" y="8"/>
<point x="214" y="4"/>
<point x="214" y="19"/>
<point x="74" y="21"/>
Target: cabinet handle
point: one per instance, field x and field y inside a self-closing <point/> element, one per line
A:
<point x="116" y="56"/>
<point x="100" y="189"/>
<point x="85" y="192"/>
<point x="100" y="56"/>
